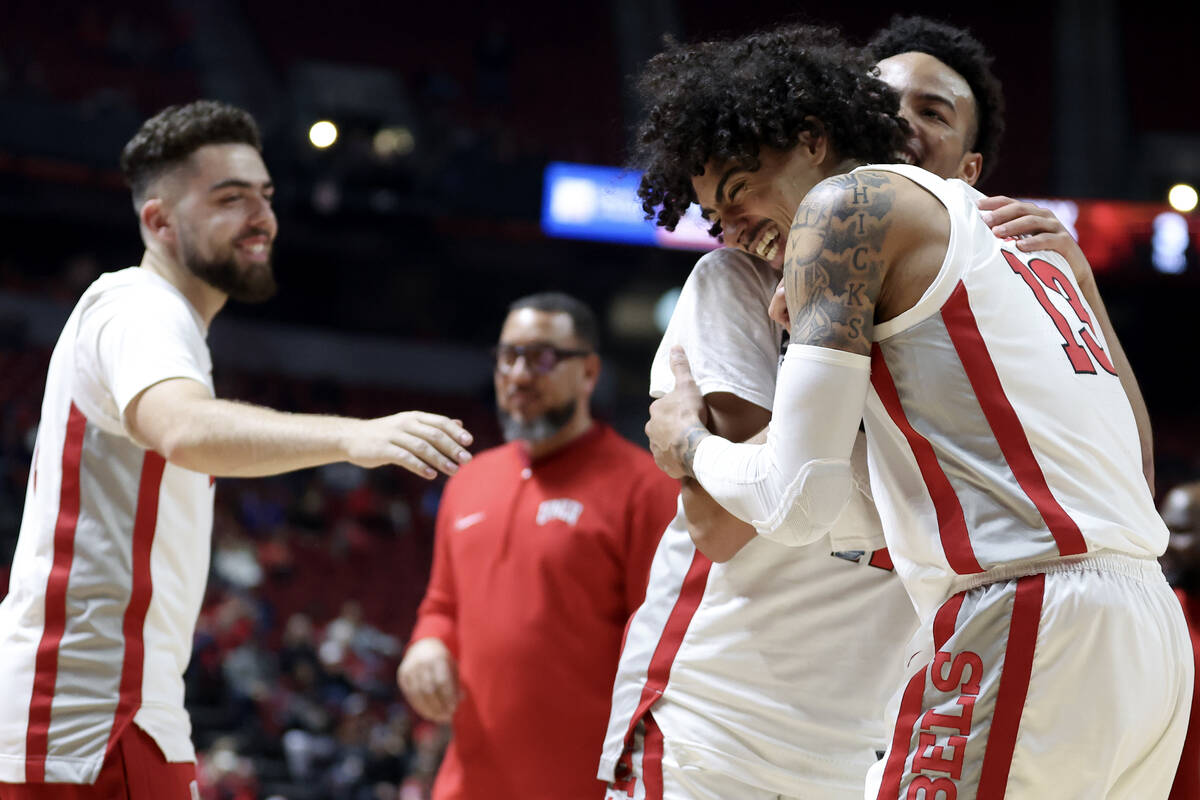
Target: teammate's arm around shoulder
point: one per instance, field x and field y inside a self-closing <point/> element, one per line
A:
<point x="179" y="419"/>
<point x="1039" y="229"/>
<point x="846" y="234"/>
<point x="716" y="533"/>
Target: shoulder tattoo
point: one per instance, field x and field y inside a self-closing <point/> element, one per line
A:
<point x="834" y="263"/>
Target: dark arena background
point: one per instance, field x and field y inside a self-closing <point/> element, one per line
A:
<point x="403" y="240"/>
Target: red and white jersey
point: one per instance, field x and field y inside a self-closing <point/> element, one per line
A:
<point x="112" y="559"/>
<point x="775" y="667"/>
<point x="999" y="432"/>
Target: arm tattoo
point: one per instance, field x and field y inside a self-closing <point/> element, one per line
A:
<point x="834" y="264"/>
<point x="689" y="442"/>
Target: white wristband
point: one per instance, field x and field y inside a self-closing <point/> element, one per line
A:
<point x="793" y="488"/>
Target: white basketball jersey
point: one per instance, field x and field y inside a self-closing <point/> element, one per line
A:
<point x="112" y="559"/>
<point x="999" y="432"/>
<point x="774" y="667"/>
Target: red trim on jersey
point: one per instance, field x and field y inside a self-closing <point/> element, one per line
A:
<point x="1014" y="686"/>
<point x="1004" y="422"/>
<point x="945" y="620"/>
<point x="658" y="672"/>
<point x="952" y="525"/>
<point x="145" y="521"/>
<point x="652" y="755"/>
<point x="906" y="721"/>
<point x="45" y="675"/>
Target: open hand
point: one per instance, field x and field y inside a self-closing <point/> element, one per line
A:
<point x="418" y="441"/>
<point x="1034" y="228"/>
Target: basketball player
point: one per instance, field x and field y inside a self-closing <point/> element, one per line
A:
<point x="1003" y="451"/>
<point x="756" y="602"/>
<point x="961" y="115"/>
<point x="110" y="566"/>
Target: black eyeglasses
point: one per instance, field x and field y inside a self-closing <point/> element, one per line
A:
<point x="539" y="358"/>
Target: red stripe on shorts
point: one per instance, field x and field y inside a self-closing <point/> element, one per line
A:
<point x="652" y="754"/>
<point x="952" y="525"/>
<point x="1004" y="422"/>
<point x="691" y="592"/>
<point x="1014" y="686"/>
<point x="45" y="675"/>
<point x="145" y="521"/>
<point x="912" y="703"/>
<point x="945" y="620"/>
<point x="906" y="721"/>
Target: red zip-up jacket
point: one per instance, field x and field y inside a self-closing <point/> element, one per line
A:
<point x="536" y="568"/>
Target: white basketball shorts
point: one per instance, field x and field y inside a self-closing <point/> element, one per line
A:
<point x="1072" y="683"/>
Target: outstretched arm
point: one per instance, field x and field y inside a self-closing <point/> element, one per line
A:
<point x="833" y="276"/>
<point x="1039" y="229"/>
<point x="179" y="419"/>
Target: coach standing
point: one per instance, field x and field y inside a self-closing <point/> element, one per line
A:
<point x="543" y="548"/>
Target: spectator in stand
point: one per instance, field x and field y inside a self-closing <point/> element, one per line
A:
<point x="1181" y="563"/>
<point x="542" y="550"/>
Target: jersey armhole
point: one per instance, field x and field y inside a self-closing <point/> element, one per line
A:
<point x="942" y="285"/>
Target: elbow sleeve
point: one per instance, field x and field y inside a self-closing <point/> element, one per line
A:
<point x="793" y="488"/>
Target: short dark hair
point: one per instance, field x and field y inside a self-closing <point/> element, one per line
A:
<point x="726" y="100"/>
<point x="958" y="49"/>
<point x="170" y="136"/>
<point x="583" y="320"/>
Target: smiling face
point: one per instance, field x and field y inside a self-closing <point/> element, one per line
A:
<point x="220" y="207"/>
<point x="755" y="208"/>
<point x="940" y="107"/>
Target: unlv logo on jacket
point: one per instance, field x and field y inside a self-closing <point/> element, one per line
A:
<point x="563" y="508"/>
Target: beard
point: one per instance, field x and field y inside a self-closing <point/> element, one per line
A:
<point x="252" y="284"/>
<point x="539" y="428"/>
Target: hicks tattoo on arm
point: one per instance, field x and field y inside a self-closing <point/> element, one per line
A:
<point x="834" y="264"/>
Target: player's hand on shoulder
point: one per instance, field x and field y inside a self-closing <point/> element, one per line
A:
<point x="427" y="676"/>
<point x="418" y="441"/>
<point x="677" y="420"/>
<point x="1035" y="228"/>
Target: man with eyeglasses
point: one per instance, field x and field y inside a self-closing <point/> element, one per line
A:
<point x="543" y="550"/>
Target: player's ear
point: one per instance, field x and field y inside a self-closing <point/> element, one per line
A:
<point x="156" y="221"/>
<point x="970" y="167"/>
<point x="814" y="142"/>
<point x="591" y="370"/>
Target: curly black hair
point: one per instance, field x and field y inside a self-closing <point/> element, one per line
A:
<point x="174" y="133"/>
<point x="726" y="100"/>
<point x="963" y="53"/>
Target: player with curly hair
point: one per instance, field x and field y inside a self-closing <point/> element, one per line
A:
<point x="753" y="670"/>
<point x="1003" y="449"/>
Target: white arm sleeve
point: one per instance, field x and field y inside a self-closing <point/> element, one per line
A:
<point x="793" y="488"/>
